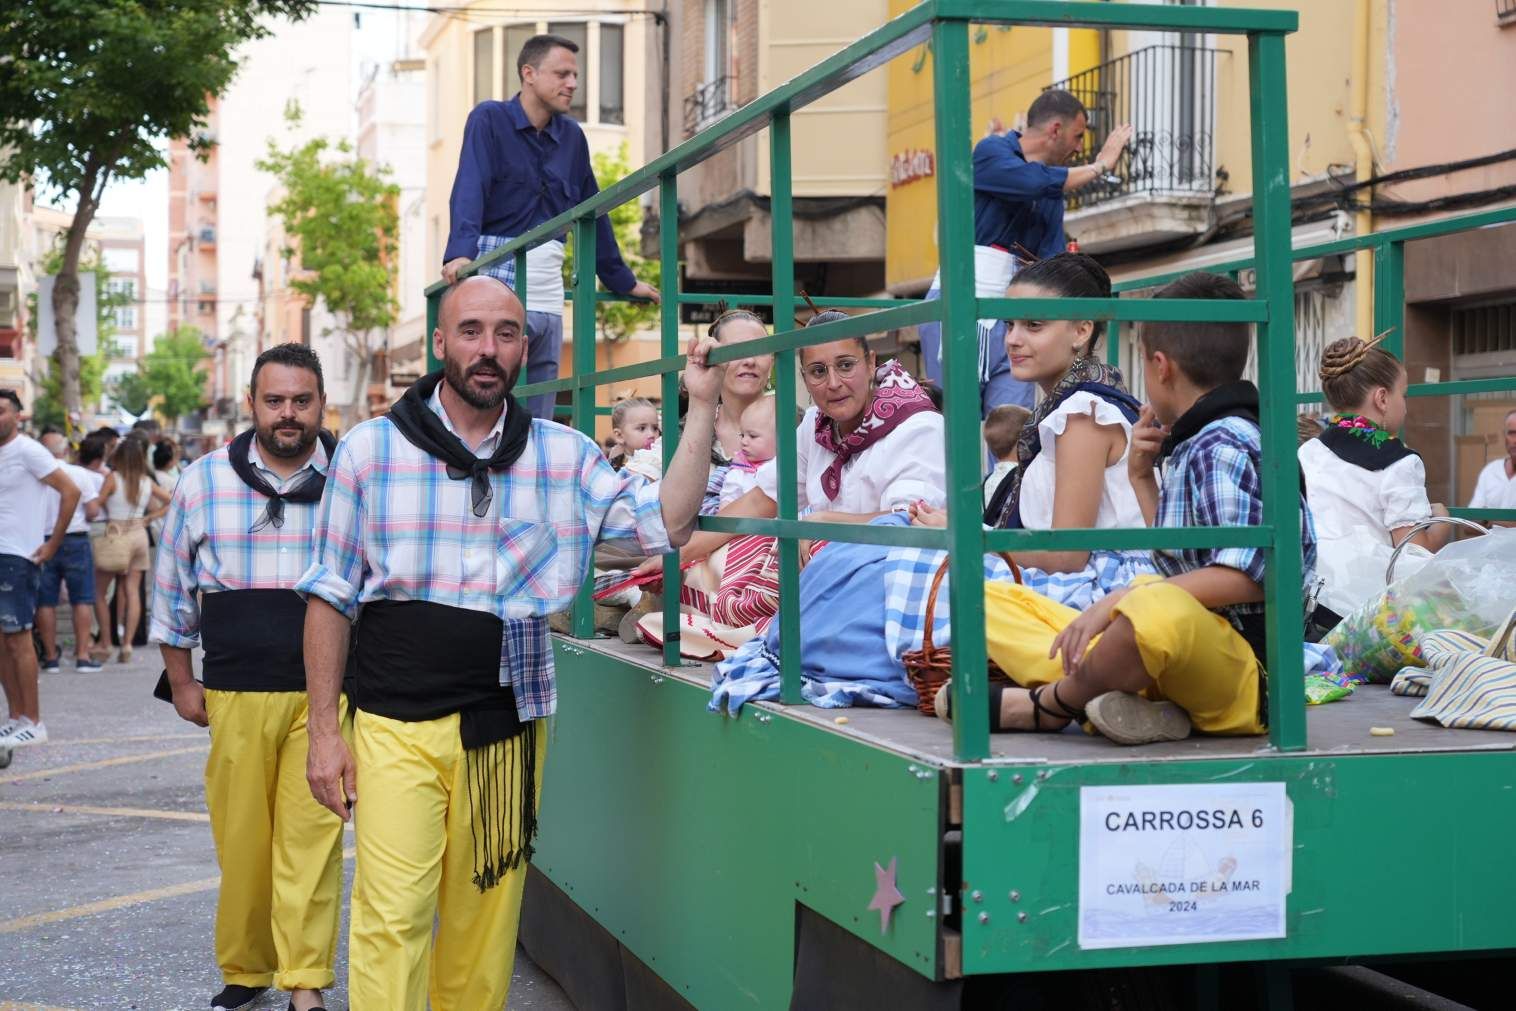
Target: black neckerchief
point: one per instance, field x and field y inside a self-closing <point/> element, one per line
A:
<point x="423" y="429"/>
<point x="1351" y="449"/>
<point x="1233" y="400"/>
<point x="308" y="490"/>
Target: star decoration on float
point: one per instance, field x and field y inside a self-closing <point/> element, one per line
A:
<point x="886" y="895"/>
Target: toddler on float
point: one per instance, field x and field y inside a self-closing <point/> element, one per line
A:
<point x="758" y="447"/>
<point x="1002" y="431"/>
<point x="635" y="427"/>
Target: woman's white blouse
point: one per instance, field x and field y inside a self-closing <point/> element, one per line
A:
<point x="1344" y="496"/>
<point x="1118" y="502"/>
<point x="899" y="469"/>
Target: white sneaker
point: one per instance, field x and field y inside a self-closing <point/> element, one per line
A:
<point x="11" y="725"/>
<point x="28" y="733"/>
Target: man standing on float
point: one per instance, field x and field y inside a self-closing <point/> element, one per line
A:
<point x="236" y="537"/>
<point x="450" y="529"/>
<point x="522" y="163"/>
<point x="1020" y="179"/>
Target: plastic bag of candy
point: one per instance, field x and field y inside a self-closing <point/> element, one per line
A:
<point x="1469" y="585"/>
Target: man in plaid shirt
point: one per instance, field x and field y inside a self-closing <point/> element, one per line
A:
<point x="449" y="529"/>
<point x="236" y="538"/>
<point x="1184" y="651"/>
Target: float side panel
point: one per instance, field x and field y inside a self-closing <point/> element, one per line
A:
<point x="1392" y="854"/>
<point x="691" y="836"/>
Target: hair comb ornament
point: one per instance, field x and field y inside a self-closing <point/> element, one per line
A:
<point x="1345" y="361"/>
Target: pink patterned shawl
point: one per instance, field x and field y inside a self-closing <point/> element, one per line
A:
<point x="897" y="396"/>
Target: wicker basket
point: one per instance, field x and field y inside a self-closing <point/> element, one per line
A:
<point x="929" y="667"/>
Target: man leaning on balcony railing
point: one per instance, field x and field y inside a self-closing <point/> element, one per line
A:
<point x="1019" y="182"/>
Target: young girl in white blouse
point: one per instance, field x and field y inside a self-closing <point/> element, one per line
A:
<point x="1365" y="488"/>
<point x="1071" y="455"/>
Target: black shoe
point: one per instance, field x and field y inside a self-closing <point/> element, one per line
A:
<point x="291" y="1007"/>
<point x="234" y="997"/>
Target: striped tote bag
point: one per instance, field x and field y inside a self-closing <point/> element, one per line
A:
<point x="1473" y="681"/>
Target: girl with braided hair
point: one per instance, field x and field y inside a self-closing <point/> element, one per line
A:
<point x="1366" y="488"/>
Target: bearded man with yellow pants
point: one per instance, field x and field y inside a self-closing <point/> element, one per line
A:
<point x="236" y="538"/>
<point x="451" y="527"/>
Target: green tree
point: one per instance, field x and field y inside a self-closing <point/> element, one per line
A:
<point x="131" y="392"/>
<point x="170" y="372"/>
<point x="619" y="320"/>
<point x="49" y="409"/>
<point x="89" y="90"/>
<point x="342" y="228"/>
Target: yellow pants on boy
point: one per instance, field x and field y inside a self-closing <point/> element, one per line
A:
<point x="280" y="852"/>
<point x="415" y="870"/>
<point x="1194" y="656"/>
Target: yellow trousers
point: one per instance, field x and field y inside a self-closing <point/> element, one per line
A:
<point x="420" y="926"/>
<point x="280" y="852"/>
<point x="1193" y="655"/>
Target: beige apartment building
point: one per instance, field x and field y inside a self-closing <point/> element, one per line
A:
<point x="392" y="135"/>
<point x="729" y="53"/>
<point x="193" y="197"/>
<point x="119" y="244"/>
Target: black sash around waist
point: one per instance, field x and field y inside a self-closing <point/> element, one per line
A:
<point x="415" y="660"/>
<point x="253" y="640"/>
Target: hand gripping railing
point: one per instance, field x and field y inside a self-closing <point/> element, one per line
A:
<point x="945" y="23"/>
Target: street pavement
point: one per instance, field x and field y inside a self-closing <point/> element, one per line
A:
<point x="107" y="873"/>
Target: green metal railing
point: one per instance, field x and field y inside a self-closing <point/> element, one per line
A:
<point x="946" y="25"/>
<point x="1388" y="250"/>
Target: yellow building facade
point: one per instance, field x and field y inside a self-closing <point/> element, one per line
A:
<point x="1009" y="67"/>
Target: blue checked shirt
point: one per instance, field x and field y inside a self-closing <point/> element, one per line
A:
<point x="393" y="526"/>
<point x="208" y="544"/>
<point x="1212" y="480"/>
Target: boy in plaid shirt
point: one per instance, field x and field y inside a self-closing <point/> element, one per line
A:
<point x="1183" y="651"/>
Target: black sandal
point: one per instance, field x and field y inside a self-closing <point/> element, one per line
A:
<point x="1038" y="709"/>
<point x="998" y="688"/>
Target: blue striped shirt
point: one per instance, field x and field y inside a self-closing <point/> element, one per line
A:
<point x="393" y="526"/>
<point x="209" y="544"/>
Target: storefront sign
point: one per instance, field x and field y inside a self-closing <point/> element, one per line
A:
<point x="1182" y="864"/>
<point x="908" y="166"/>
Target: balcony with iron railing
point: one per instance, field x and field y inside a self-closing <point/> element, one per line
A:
<point x="1168" y="94"/>
<point x="708" y="102"/>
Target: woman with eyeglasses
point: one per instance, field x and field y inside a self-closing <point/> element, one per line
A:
<point x="871" y="445"/>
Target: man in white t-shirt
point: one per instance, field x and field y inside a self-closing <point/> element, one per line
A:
<point x="26" y="472"/>
<point x="1496" y="488"/>
<point x="73" y="565"/>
